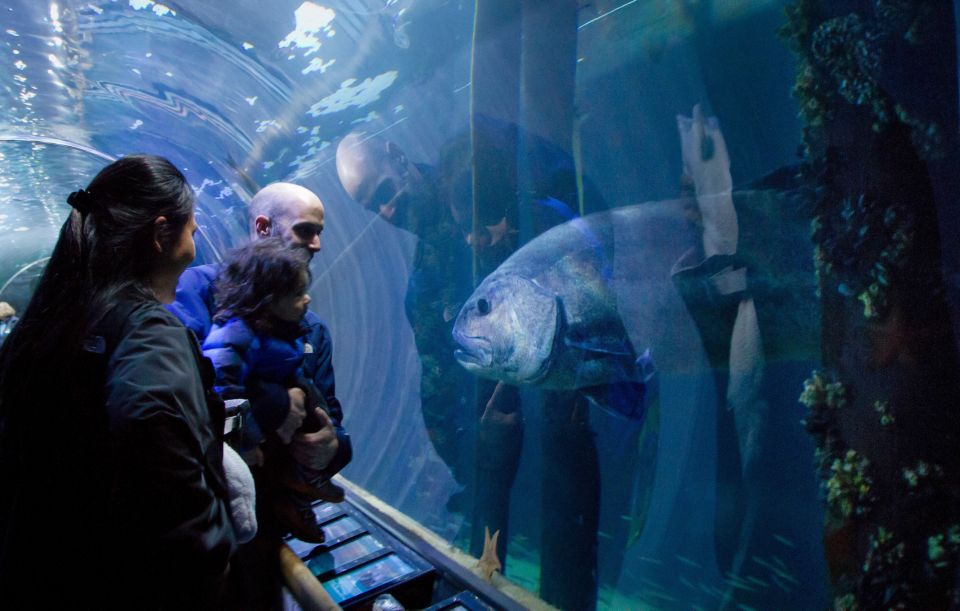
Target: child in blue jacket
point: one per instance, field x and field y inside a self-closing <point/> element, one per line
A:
<point x="257" y="337"/>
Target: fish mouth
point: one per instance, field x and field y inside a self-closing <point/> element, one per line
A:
<point x="470" y="359"/>
<point x="474" y="352"/>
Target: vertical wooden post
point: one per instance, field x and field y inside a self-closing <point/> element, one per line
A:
<point x="494" y="97"/>
<point x="883" y="410"/>
<point x="571" y="478"/>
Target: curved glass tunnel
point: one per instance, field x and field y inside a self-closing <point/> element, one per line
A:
<point x="710" y="360"/>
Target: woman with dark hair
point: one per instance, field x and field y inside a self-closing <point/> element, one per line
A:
<point x="110" y="443"/>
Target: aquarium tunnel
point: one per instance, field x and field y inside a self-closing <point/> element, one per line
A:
<point x="634" y="304"/>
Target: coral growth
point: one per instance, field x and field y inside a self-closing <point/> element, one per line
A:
<point x="865" y="246"/>
<point x="846" y="602"/>
<point x="921" y="475"/>
<point x="886" y="412"/>
<point x="875" y="254"/>
<point x="840" y="61"/>
<point x="924" y="484"/>
<point x="818" y="392"/>
<point x="849" y="52"/>
<point x="845" y="480"/>
<point x="883" y="571"/>
<point x="822" y="399"/>
<point x="942" y="549"/>
<point x="849" y="488"/>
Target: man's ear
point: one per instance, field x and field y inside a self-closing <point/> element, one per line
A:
<point x="159" y="224"/>
<point x="262" y="226"/>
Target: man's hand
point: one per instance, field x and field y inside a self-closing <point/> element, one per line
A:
<point x="316" y="450"/>
<point x="501" y="408"/>
<point x="706" y="163"/>
<point x="253" y="457"/>
<point x="295" y="415"/>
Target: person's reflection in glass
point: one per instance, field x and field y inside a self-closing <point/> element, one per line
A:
<point x="379" y="176"/>
<point x="437" y="206"/>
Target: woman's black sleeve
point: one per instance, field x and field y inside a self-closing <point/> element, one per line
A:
<point x="168" y="497"/>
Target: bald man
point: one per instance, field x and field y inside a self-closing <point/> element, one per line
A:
<point x="295" y="214"/>
<point x="377" y="174"/>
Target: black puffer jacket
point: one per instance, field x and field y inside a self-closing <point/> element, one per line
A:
<point x="117" y="497"/>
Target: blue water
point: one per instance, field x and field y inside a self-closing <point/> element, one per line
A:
<point x="245" y="93"/>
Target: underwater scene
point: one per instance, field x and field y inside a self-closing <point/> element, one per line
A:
<point x="652" y="304"/>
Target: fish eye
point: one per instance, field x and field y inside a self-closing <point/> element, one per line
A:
<point x="483" y="307"/>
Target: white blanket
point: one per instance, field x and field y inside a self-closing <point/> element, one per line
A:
<point x="243" y="497"/>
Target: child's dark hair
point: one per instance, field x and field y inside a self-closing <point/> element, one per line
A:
<point x="255" y="277"/>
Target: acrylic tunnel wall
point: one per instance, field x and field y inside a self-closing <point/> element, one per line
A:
<point x="660" y="291"/>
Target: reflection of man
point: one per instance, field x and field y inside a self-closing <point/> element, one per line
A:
<point x="748" y="285"/>
<point x="728" y="326"/>
<point x="378" y="176"/>
<point x="296" y="215"/>
<point x="438" y="208"/>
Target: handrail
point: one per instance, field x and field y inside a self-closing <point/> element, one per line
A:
<point x="302" y="585"/>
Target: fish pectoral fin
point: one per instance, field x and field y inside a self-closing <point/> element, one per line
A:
<point x="600" y="347"/>
<point x="645" y="366"/>
<point x="625" y="399"/>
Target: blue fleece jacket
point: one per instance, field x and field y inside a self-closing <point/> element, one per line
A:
<point x="194" y="306"/>
<point x="244" y="362"/>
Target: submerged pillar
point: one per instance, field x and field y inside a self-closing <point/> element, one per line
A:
<point x="570" y="468"/>
<point x="494" y="96"/>
<point x="876" y="86"/>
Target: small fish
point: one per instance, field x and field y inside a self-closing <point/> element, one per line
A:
<point x="687" y="561"/>
<point x="660" y="596"/>
<point x="651" y="585"/>
<point x="776" y="571"/>
<point x="784" y="540"/>
<point x="736" y="582"/>
<point x="784" y="571"/>
<point x="758" y="581"/>
<point x="780" y="584"/>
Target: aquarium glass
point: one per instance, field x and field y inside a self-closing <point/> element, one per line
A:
<point x="653" y="300"/>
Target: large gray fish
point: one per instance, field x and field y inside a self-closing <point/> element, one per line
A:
<point x="574" y="308"/>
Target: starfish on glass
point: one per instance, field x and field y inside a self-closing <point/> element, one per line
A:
<point x="489" y="563"/>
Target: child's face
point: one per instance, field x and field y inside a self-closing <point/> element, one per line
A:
<point x="292" y="306"/>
